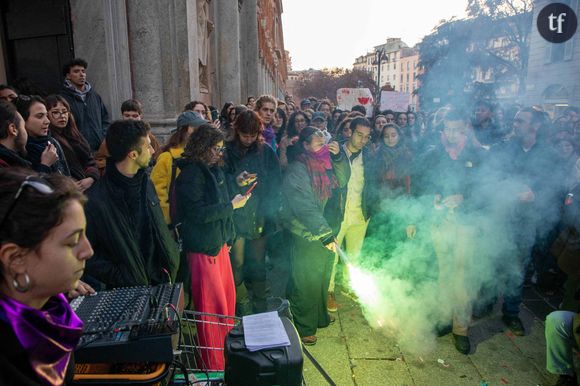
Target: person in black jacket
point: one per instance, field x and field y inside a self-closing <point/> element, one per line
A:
<point x="42" y="149"/>
<point x="132" y="243"/>
<point x="205" y="209"/>
<point x="86" y="105"/>
<point x="43" y="250"/>
<point x="247" y="152"/>
<point x="13" y="137"/>
<point x="451" y="180"/>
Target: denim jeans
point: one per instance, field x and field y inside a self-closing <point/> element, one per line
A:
<point x="559" y="342"/>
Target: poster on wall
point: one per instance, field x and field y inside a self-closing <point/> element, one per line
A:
<point x="395" y="100"/>
<point x="349" y="97"/>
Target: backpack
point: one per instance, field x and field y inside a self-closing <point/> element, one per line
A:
<point x="172" y="195"/>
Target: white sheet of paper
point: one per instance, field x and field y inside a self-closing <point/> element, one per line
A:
<point x="264" y="330"/>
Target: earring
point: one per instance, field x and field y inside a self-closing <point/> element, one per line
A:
<point x="17" y="285"/>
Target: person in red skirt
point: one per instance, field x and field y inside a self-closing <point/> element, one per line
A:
<point x="205" y="210"/>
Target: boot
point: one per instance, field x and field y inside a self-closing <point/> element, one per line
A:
<point x="243" y="306"/>
<point x="259" y="296"/>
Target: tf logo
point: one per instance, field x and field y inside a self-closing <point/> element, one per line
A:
<point x="557" y="23"/>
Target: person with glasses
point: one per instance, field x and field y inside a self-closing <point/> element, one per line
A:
<point x="43" y="150"/>
<point x="133" y="246"/>
<point x="77" y="152"/>
<point x="43" y="252"/>
<point x="255" y="221"/>
<point x="206" y="203"/>
<point x="13" y="138"/>
<point x="309" y="183"/>
<point x="351" y="205"/>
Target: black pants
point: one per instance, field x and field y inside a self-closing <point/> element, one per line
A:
<point x="308" y="284"/>
<point x="248" y="259"/>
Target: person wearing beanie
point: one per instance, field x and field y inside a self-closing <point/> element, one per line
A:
<point x="165" y="170"/>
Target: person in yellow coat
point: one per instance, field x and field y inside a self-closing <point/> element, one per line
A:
<point x="164" y="172"/>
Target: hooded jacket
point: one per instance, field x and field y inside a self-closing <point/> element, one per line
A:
<point x="90" y="113"/>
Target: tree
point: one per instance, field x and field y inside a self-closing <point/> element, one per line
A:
<point x="446" y="63"/>
<point x="494" y="38"/>
<point x="512" y="20"/>
<point x="325" y="82"/>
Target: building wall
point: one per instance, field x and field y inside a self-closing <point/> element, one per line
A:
<point x="553" y="83"/>
<point x="273" y="62"/>
<point x="153" y="51"/>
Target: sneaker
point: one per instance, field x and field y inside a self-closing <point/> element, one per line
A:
<point x="514" y="323"/>
<point x="567" y="380"/>
<point x="462" y="344"/>
<point x="309" y="340"/>
<point x="331" y="304"/>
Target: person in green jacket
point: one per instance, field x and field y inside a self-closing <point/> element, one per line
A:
<point x="308" y="185"/>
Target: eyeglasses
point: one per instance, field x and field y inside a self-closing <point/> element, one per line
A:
<point x="35" y="183"/>
<point x="219" y="149"/>
<point x="58" y="114"/>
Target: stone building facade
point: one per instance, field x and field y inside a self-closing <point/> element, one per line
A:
<point x="164" y="53"/>
<point x="553" y="79"/>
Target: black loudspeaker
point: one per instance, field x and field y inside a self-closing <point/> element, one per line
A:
<point x="277" y="366"/>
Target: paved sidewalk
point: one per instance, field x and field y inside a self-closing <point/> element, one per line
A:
<point x="354" y="354"/>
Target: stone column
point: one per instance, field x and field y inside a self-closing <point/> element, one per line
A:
<point x="249" y="54"/>
<point x="100" y="37"/>
<point x="163" y="43"/>
<point x="228" y="51"/>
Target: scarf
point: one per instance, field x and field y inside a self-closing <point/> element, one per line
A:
<point x="36" y="145"/>
<point x="269" y="136"/>
<point x="453" y="149"/>
<point x="48" y="336"/>
<point x="318" y="164"/>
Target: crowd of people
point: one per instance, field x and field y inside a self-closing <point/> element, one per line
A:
<point x="279" y="180"/>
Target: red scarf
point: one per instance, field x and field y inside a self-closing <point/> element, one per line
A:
<point x="317" y="164"/>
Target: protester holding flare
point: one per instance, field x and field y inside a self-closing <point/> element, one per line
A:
<point x="450" y="180"/>
<point x="309" y="183"/>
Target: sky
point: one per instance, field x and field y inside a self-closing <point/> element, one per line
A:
<point x="333" y="33"/>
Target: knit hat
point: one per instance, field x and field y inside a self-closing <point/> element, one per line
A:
<point x="190" y="118"/>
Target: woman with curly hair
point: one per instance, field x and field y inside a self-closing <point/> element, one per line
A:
<point x="205" y="209"/>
